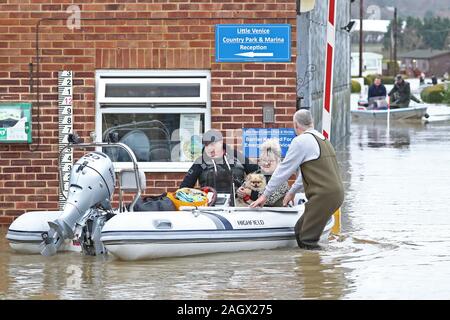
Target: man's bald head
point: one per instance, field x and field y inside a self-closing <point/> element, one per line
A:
<point x="303" y="119"/>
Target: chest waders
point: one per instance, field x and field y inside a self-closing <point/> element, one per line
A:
<point x="324" y="191"/>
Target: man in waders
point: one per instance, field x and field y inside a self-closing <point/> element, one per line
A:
<point x="314" y="158"/>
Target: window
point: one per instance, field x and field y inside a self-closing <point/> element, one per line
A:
<point x="160" y="115"/>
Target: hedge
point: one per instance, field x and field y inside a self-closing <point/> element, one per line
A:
<point x="387" y="80"/>
<point x="433" y="94"/>
<point x="384" y="79"/>
<point x="446" y="96"/>
<point x="367" y="81"/>
<point x="356" y="86"/>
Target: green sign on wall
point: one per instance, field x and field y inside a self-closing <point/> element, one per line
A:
<point x="15" y="122"/>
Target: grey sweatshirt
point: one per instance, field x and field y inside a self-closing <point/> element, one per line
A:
<point x="303" y="148"/>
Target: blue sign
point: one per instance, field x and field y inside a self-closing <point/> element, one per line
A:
<point x="252" y="138"/>
<point x="253" y="42"/>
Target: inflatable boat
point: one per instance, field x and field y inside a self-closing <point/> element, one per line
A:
<point x="90" y="225"/>
<point x="190" y="231"/>
<point x="25" y="234"/>
<point x="410" y="113"/>
<point x="148" y="235"/>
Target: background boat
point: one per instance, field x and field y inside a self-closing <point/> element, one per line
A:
<point x="418" y="112"/>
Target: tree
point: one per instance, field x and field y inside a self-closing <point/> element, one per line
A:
<point x="434" y="32"/>
<point x="411" y="39"/>
<point x="420" y="34"/>
<point x="387" y="36"/>
<point x="429" y="14"/>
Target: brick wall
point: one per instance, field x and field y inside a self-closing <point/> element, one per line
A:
<point x="29" y="180"/>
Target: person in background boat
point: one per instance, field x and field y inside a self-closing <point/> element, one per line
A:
<point x="269" y="159"/>
<point x="219" y="166"/>
<point x="314" y="159"/>
<point x="434" y="80"/>
<point x="377" y="92"/>
<point x="400" y="95"/>
<point x="422" y="78"/>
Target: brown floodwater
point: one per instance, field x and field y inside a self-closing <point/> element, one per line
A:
<point x="395" y="240"/>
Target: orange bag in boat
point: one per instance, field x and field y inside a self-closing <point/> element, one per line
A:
<point x="178" y="203"/>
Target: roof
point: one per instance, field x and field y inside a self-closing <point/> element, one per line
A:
<point x="367" y="55"/>
<point x="373" y="25"/>
<point x="423" y="54"/>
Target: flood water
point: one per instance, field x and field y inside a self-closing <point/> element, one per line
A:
<point x="395" y="241"/>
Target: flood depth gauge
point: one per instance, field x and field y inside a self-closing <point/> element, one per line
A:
<point x="65" y="124"/>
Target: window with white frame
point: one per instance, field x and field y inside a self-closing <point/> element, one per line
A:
<point x="161" y="115"/>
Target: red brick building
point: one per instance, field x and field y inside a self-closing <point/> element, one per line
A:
<point x="121" y="40"/>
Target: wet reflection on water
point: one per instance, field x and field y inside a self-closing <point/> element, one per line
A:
<point x="394" y="244"/>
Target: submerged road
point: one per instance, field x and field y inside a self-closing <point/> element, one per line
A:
<point x="395" y="242"/>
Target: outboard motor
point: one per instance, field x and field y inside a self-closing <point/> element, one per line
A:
<point x="91" y="185"/>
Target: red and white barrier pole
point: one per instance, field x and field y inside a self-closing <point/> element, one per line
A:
<point x="328" y="90"/>
<point x="329" y="64"/>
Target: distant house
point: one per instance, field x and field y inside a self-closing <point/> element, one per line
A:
<point x="372" y="63"/>
<point x="374" y="33"/>
<point x="429" y="61"/>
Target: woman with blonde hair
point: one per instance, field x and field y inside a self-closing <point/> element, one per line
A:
<point x="269" y="159"/>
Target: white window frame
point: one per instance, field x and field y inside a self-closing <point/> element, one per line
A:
<point x="103" y="77"/>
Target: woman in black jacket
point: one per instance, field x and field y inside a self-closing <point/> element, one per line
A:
<point x="217" y="167"/>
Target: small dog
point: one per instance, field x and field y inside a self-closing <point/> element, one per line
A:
<point x="254" y="182"/>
